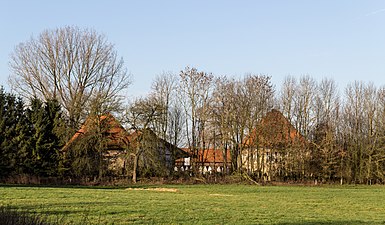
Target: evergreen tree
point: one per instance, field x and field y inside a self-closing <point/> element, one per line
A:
<point x="21" y="141"/>
<point x="29" y="137"/>
<point x="44" y="141"/>
<point x="54" y="129"/>
<point x="13" y="133"/>
<point x="4" y="159"/>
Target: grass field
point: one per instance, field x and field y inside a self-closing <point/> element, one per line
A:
<point x="203" y="204"/>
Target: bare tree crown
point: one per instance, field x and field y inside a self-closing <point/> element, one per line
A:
<point x="78" y="67"/>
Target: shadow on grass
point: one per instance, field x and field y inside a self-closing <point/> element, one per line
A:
<point x="42" y="210"/>
<point x="13" y="216"/>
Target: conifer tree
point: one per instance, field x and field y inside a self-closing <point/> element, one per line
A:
<point x="13" y="133"/>
<point x="44" y="141"/>
<point x="4" y="159"/>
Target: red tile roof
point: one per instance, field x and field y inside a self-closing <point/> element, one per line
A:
<point x="275" y="130"/>
<point x="209" y="155"/>
<point x="117" y="135"/>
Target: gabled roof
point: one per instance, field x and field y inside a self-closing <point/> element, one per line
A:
<point x="109" y="127"/>
<point x="275" y="130"/>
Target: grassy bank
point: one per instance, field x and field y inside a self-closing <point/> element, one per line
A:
<point x="203" y="204"/>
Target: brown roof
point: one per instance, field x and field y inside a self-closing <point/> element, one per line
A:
<point x="275" y="130"/>
<point x="213" y="155"/>
<point x="110" y="127"/>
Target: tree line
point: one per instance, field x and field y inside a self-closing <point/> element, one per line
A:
<point x="69" y="73"/>
<point x="344" y="131"/>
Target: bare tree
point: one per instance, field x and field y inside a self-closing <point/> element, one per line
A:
<point x="326" y="101"/>
<point x="353" y="129"/>
<point x="237" y="107"/>
<point x="304" y="116"/>
<point x="363" y="133"/>
<point x="286" y="101"/>
<point x="286" y="97"/>
<point x="163" y="88"/>
<point x="78" y="67"/>
<point x="371" y="130"/>
<point x="176" y="125"/>
<point x="303" y="107"/>
<point x="257" y="93"/>
<point x="378" y="164"/>
<point x="140" y="115"/>
<point x="222" y="117"/>
<point x="169" y="125"/>
<point x="196" y="89"/>
<point x="326" y="157"/>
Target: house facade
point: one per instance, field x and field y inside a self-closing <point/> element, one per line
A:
<point x="271" y="148"/>
<point x="207" y="161"/>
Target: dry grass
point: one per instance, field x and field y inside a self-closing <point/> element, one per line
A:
<point x="154" y="189"/>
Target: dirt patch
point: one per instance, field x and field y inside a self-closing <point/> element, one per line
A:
<point x="221" y="195"/>
<point x="154" y="189"/>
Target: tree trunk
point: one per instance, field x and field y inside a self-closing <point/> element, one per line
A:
<point x="135" y="168"/>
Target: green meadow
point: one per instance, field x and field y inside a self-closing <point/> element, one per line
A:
<point x="201" y="204"/>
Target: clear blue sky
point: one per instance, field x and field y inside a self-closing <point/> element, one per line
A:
<point x="342" y="39"/>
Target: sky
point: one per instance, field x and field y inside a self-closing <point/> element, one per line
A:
<point x="339" y="39"/>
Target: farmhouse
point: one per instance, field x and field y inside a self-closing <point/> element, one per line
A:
<point x="271" y="145"/>
<point x="267" y="152"/>
<point x="120" y="148"/>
